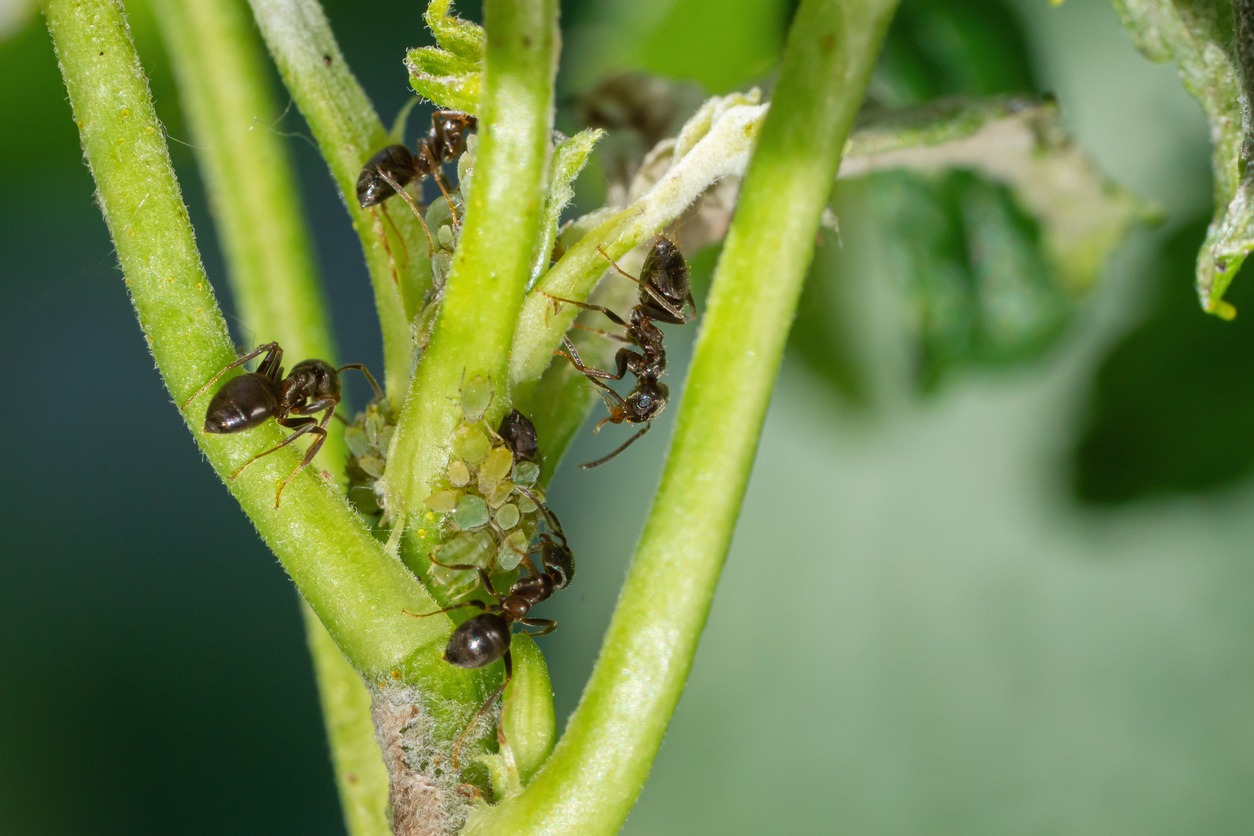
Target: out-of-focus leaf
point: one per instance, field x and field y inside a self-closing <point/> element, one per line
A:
<point x="722" y="46"/>
<point x="996" y="223"/>
<point x="1163" y="416"/>
<point x="981" y="291"/>
<point x="14" y="14"/>
<point x="1082" y="214"/>
<point x="937" y="48"/>
<point x="1212" y="44"/>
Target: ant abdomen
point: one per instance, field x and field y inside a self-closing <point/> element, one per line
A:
<point x="372" y="187"/>
<point x="242" y="403"/>
<point x="666" y="271"/>
<point x="478" y="641"/>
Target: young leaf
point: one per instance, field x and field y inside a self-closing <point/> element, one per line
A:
<point x="569" y="159"/>
<point x="450" y="75"/>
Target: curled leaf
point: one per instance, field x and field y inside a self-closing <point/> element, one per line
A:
<point x="1212" y="44"/>
<point x="451" y="75"/>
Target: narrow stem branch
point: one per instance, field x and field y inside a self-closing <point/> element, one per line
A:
<point x="598" y="768"/>
<point x="219" y="64"/>
<point x="357" y="591"/>
<point x="491" y="266"/>
<point x="223" y="90"/>
<point x="348" y="131"/>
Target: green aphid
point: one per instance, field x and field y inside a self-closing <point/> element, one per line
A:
<point x="476" y="397"/>
<point x="471" y="512"/>
<point x="494" y="468"/>
<point x="512" y="549"/>
<point x="443" y="502"/>
<point x="470" y="444"/>
<point x="507" y="516"/>
<point x="458" y="474"/>
<point x="500" y="492"/>
<point x="526" y="473"/>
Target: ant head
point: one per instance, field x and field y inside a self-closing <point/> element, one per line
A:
<point x="647" y="400"/>
<point x="452" y="122"/>
<point x="310" y="379"/>
<point x="478" y="642"/>
<point x="665" y="271"/>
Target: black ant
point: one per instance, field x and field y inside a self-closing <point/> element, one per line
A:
<point x="482" y="639"/>
<point x="252" y="399"/>
<point x="664" y="291"/>
<point x="388" y="171"/>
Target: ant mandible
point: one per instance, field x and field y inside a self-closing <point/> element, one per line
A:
<point x="664" y="292"/>
<point x="251" y="399"/>
<point x="482" y="639"/>
<point x="388" y="171"/>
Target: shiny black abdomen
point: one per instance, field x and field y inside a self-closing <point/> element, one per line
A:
<point x="242" y="403"/>
<point x="478" y="642"/>
<point x="396" y="161"/>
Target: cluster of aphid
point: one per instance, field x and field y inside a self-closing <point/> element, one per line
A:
<point x="487" y="499"/>
<point x="368" y="439"/>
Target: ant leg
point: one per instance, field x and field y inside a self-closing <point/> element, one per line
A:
<point x="391" y="181"/>
<point x="387" y="248"/>
<point x="500" y="735"/>
<point x="612" y="336"/>
<point x="301" y="425"/>
<point x="341" y="419"/>
<point x="445" y="188"/>
<point x="383" y="207"/>
<point x="321" y="430"/>
<point x="483" y="579"/>
<point x="274" y="355"/>
<point x="374" y="384"/>
<point x="473" y="602"/>
<point x="613" y="317"/>
<point x="588" y="371"/>
<point x="549" y="516"/>
<point x="548" y="624"/>
<point x="621" y="448"/>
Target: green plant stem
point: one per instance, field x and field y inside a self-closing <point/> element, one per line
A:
<point x="223" y="90"/>
<point x="595" y="773"/>
<point x="219" y="65"/>
<point x="491" y="265"/>
<point x="360" y="776"/>
<point x="358" y="592"/>
<point x="348" y="131"/>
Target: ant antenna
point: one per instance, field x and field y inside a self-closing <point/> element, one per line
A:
<point x="391" y="181"/>
<point x="620" y="449"/>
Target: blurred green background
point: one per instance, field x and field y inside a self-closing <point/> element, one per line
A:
<point x="973" y="591"/>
